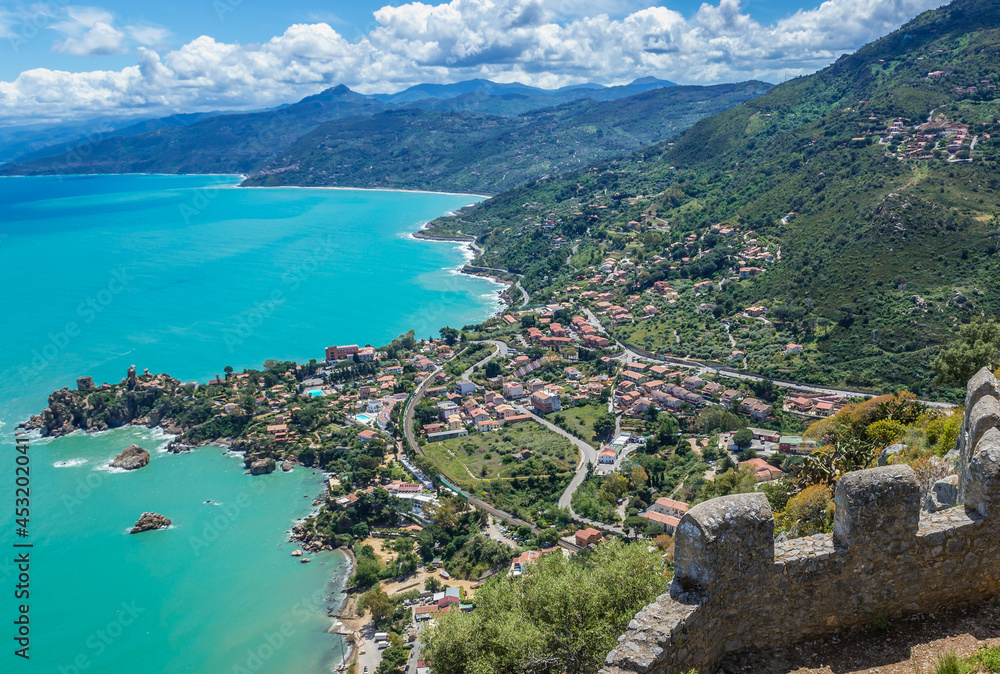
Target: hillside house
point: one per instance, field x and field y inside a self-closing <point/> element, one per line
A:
<point x="545" y="401"/>
<point x="763" y="471"/>
<point x="588" y="536"/>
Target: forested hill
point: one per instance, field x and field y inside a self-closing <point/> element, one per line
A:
<point x="463" y="151"/>
<point x="224" y="144"/>
<point x="869" y="189"/>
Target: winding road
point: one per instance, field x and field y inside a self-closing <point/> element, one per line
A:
<point x="411" y="439"/>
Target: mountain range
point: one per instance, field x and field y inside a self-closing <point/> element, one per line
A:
<point x="271" y="130"/>
<point x="873" y="184"/>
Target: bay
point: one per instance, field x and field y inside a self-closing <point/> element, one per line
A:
<point x="185" y="275"/>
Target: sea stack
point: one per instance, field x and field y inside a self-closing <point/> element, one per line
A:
<point x="150" y="521"/>
<point x="133" y="458"/>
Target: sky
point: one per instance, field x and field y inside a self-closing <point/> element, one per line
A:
<point x="61" y="61"/>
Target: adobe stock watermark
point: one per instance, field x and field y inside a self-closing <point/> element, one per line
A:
<point x="98" y="643"/>
<point x="246" y="324"/>
<point x="227" y="515"/>
<point x="41" y="16"/>
<point x="273" y="641"/>
<point x="87" y="312"/>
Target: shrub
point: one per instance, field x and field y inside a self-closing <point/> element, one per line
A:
<point x="809" y="512"/>
<point x="885" y="432"/>
<point x="949" y="663"/>
<point x="986" y="659"/>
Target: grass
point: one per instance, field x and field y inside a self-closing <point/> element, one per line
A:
<point x="986" y="659"/>
<point x="950" y="663"/>
<point x="480" y="456"/>
<point x="579" y="421"/>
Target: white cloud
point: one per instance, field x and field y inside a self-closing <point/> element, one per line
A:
<point x="89" y="31"/>
<point x="542" y="42"/>
<point x="148" y="35"/>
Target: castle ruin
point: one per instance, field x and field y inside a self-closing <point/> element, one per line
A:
<point x="736" y="590"/>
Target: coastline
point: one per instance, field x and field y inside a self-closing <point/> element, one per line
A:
<point x="346" y="189"/>
<point x="470" y="249"/>
<point x="173" y="431"/>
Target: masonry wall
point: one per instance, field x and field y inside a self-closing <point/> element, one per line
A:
<point x="735" y="590"/>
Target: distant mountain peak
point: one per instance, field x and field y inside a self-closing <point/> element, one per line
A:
<point x="339" y="91"/>
<point x="646" y="81"/>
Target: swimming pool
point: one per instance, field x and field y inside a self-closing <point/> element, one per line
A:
<point x="363" y="418"/>
<point x="315" y="392"/>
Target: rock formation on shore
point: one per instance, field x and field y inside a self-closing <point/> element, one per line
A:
<point x="150" y="521"/>
<point x="133" y="458"/>
<point x="133" y="401"/>
<point x="263" y="466"/>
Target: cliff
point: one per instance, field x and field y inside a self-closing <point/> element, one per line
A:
<point x="135" y="400"/>
<point x="736" y="590"/>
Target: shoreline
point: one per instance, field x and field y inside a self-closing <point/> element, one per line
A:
<point x="468" y="246"/>
<point x="336" y="187"/>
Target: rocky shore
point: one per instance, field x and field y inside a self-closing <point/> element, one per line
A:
<point x="134" y="401"/>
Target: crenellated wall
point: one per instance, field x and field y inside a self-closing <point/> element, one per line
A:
<point x="736" y="590"/>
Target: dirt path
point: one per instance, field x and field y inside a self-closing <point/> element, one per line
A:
<point x="907" y="647"/>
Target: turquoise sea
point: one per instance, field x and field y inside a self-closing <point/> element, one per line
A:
<point x="185" y="275"/>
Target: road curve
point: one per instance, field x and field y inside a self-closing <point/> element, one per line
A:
<point x="501" y="350"/>
<point x="411" y="439"/>
<point x="588" y="455"/>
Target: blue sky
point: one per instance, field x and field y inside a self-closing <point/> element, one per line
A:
<point x="62" y="58"/>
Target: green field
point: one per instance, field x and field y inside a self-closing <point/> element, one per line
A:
<point x="488" y="456"/>
<point x="579" y="421"/>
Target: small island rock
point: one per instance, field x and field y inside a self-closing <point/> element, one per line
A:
<point x="263" y="466"/>
<point x="150" y="521"/>
<point x="133" y="458"/>
<point x="286" y="466"/>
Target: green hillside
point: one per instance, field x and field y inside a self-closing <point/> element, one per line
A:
<point x="461" y="151"/>
<point x="871" y="184"/>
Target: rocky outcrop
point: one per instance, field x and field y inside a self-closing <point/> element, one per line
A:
<point x="133" y="458"/>
<point x="133" y="401"/>
<point x="150" y="521"/>
<point x="286" y="466"/>
<point x="263" y="466"/>
<point x="892" y="450"/>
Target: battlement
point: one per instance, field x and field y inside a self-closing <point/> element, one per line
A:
<point x="736" y="590"/>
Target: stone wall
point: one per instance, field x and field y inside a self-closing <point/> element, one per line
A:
<point x="736" y="590"/>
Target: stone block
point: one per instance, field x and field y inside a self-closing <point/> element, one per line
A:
<point x="982" y="476"/>
<point x="721" y="540"/>
<point x="879" y="506"/>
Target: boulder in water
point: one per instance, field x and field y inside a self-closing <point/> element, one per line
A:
<point x="150" y="521"/>
<point x="133" y="458"/>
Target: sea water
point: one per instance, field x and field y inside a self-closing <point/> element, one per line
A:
<point x="185" y="275"/>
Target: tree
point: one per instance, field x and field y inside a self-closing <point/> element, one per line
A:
<point x="604" y="425"/>
<point x="740" y="481"/>
<point x="378" y="602"/>
<point x="977" y="346"/>
<point x="432" y="584"/>
<point x="515" y="629"/>
<point x="492" y="369"/>
<point x="743" y="437"/>
<point x="449" y="335"/>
